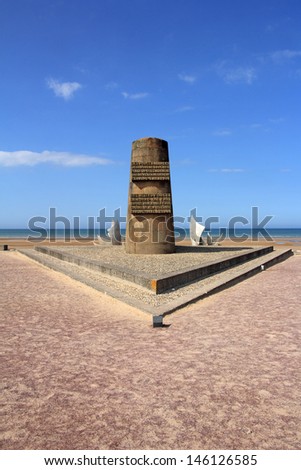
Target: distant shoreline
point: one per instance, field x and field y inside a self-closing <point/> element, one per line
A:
<point x="61" y="233"/>
<point x="18" y="238"/>
<point x="278" y="242"/>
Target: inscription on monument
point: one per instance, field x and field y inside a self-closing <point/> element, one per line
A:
<point x="151" y="203"/>
<point x="150" y="171"/>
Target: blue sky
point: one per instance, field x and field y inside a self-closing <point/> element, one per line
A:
<point x="220" y="80"/>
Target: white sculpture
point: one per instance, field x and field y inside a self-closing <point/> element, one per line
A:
<point x="209" y="239"/>
<point x="196" y="231"/>
<point x="114" y="232"/>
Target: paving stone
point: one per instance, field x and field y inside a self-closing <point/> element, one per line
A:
<point x="81" y="370"/>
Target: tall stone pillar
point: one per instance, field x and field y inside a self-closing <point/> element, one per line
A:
<point x="150" y="228"/>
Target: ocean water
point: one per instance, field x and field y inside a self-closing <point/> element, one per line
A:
<point x="180" y="233"/>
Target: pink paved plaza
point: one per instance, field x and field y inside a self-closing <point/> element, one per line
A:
<point x="81" y="370"/>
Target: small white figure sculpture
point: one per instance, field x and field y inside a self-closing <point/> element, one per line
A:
<point x="196" y="231"/>
<point x="114" y="232"/>
<point x="209" y="239"/>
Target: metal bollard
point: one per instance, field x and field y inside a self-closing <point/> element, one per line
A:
<point x="157" y="321"/>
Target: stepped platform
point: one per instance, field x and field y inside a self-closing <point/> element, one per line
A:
<point x="158" y="284"/>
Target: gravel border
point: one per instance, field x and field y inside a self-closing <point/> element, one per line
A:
<point x="153" y="266"/>
<point x="143" y="298"/>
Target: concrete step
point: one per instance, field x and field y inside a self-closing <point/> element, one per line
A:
<point x="226" y="279"/>
<point x="162" y="304"/>
<point x="163" y="283"/>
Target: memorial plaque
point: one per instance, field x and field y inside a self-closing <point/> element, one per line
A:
<point x="150" y="227"/>
<point x="151" y="203"/>
<point x="150" y="171"/>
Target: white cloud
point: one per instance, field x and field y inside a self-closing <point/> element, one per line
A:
<point x="232" y="75"/>
<point x="256" y="125"/>
<point x="222" y="132"/>
<point x="285" y="55"/>
<point x="227" y="170"/>
<point x="184" y="109"/>
<point x="187" y="78"/>
<point x="277" y="120"/>
<point x="240" y="75"/>
<point x="111" y="86"/>
<point x="64" y="90"/>
<point x="232" y="170"/>
<point x="134" y="96"/>
<point x="28" y="158"/>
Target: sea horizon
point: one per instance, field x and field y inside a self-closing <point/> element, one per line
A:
<point x="61" y="233"/>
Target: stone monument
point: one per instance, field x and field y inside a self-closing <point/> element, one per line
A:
<point x="150" y="228"/>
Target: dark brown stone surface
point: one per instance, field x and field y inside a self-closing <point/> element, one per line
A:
<point x="150" y="227"/>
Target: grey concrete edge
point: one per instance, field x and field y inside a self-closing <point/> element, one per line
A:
<point x="197" y="273"/>
<point x="97" y="286"/>
<point x="171" y="280"/>
<point x="124" y="273"/>
<point x="170" y="307"/>
<point x="226" y="282"/>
